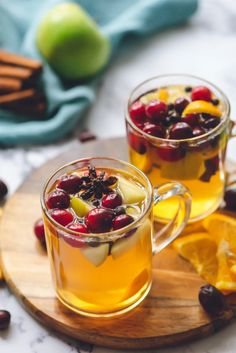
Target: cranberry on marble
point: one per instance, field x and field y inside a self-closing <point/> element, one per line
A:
<point x="5" y="318"/>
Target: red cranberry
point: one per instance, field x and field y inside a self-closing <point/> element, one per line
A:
<point x="62" y="217"/>
<point x="99" y="220"/>
<point x="112" y="200"/>
<point x="171" y="153"/>
<point x="5" y="318"/>
<point x="86" y="136"/>
<point x="201" y="93"/>
<point x="198" y="131"/>
<point x="180" y="131"/>
<point x="210" y="123"/>
<point x="180" y="104"/>
<point x="138" y="143"/>
<point x="39" y="231"/>
<point x="154" y="130"/>
<point x="230" y="198"/>
<point x="137" y="112"/>
<point x="156" y="111"/>
<point x="58" y="199"/>
<point x="70" y="183"/>
<point x="79" y="241"/>
<point x="121" y="221"/>
<point x="3" y="190"/>
<point x="190" y="119"/>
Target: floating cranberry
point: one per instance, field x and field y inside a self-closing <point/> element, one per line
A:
<point x="154" y="129"/>
<point x="211" y="299"/>
<point x="99" y="220"/>
<point x="180" y="104"/>
<point x="156" y="111"/>
<point x="198" y="131"/>
<point x="112" y="200"/>
<point x="3" y="190"/>
<point x="170" y="153"/>
<point x="39" y="231"/>
<point x="138" y="143"/>
<point x="137" y="112"/>
<point x="70" y="183"/>
<point x="78" y="242"/>
<point x="180" y="131"/>
<point x="5" y="318"/>
<point x="121" y="221"/>
<point x="210" y="123"/>
<point x="201" y="93"/>
<point x="58" y="199"/>
<point x="62" y="217"/>
<point x="230" y="198"/>
<point x="190" y="119"/>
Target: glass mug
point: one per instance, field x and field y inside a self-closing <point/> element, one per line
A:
<point x="124" y="278"/>
<point x="201" y="166"/>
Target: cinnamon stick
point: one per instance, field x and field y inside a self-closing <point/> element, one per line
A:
<point x="21" y="73"/>
<point x="19" y="97"/>
<point x="10" y="84"/>
<point x="18" y="60"/>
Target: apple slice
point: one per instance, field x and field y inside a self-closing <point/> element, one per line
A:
<point x="96" y="255"/>
<point x="121" y="246"/>
<point x="80" y="207"/>
<point x="131" y="192"/>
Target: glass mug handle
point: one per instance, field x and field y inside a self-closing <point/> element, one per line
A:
<point x="170" y="231"/>
<point x="231" y="128"/>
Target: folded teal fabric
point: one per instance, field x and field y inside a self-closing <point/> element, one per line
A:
<point x="67" y="105"/>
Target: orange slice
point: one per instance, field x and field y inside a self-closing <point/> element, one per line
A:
<point x="161" y="94"/>
<point x="200" y="249"/>
<point x="201" y="107"/>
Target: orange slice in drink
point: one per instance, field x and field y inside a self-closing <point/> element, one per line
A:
<point x="161" y="94"/>
<point x="200" y="249"/>
<point x="201" y="107"/>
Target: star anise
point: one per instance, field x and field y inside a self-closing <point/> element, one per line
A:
<point x="95" y="184"/>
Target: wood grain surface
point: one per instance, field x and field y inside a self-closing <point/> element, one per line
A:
<point x="168" y="316"/>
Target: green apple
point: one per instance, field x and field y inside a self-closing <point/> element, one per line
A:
<point x="131" y="193"/>
<point x="80" y="207"/>
<point x="71" y="42"/>
<point x="96" y="255"/>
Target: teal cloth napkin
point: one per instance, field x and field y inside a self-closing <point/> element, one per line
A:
<point x="18" y="23"/>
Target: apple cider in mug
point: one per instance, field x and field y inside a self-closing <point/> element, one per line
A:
<point x="95" y="273"/>
<point x="179" y="132"/>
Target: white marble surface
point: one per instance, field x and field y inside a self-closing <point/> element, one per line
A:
<point x="205" y="47"/>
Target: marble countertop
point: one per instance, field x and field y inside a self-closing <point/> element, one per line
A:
<point x="205" y="47"/>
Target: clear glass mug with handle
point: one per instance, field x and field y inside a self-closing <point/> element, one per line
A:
<point x="111" y="272"/>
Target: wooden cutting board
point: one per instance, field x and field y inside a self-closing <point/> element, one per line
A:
<point x="169" y="315"/>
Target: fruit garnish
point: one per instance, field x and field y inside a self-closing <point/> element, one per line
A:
<point x="96" y="255"/>
<point x="156" y="111"/>
<point x="62" y="217"/>
<point x="200" y="106"/>
<point x="198" y="131"/>
<point x="188" y="168"/>
<point x="138" y="143"/>
<point x="210" y="122"/>
<point x="230" y="198"/>
<point x="58" y="199"/>
<point x="211" y="299"/>
<point x="131" y="193"/>
<point x="180" y="131"/>
<point x="121" y="221"/>
<point x="222" y="227"/>
<point x="154" y="130"/>
<point x="123" y="245"/>
<point x="76" y="241"/>
<point x="3" y="190"/>
<point x="170" y="153"/>
<point x="39" y="231"/>
<point x="180" y="104"/>
<point x="99" y="220"/>
<point x="201" y="93"/>
<point x="70" y="183"/>
<point x="161" y="94"/>
<point x="80" y="206"/>
<point x="137" y="112"/>
<point x="190" y="119"/>
<point x="112" y="200"/>
<point x="200" y="249"/>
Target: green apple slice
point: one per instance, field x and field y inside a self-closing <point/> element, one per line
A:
<point x="131" y="192"/>
<point x="121" y="246"/>
<point x="80" y="207"/>
<point x="96" y="255"/>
